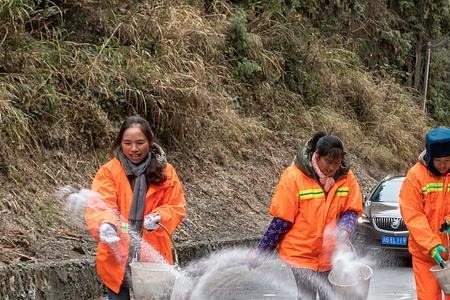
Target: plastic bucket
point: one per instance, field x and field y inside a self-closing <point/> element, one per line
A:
<point x="443" y="277"/>
<point x="152" y="281"/>
<point x="350" y="288"/>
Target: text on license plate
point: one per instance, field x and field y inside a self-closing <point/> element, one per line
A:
<point x="394" y="240"/>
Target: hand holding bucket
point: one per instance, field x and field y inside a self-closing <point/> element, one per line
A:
<point x="442" y="270"/>
<point x="352" y="287"/>
<point x="436" y="254"/>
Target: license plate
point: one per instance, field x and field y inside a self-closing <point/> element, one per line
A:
<point x="394" y="240"/>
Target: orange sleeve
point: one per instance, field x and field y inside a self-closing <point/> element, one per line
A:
<point x="411" y="208"/>
<point x="102" y="207"/>
<point x="284" y="203"/>
<point x="354" y="200"/>
<point x="173" y="208"/>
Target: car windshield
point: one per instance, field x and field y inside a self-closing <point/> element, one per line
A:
<point x="388" y="191"/>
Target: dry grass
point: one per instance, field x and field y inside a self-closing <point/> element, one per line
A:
<point x="64" y="88"/>
<point x="13" y="122"/>
<point x="387" y="120"/>
<point x="167" y="62"/>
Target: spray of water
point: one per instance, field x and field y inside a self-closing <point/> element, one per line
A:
<point x="226" y="275"/>
<point x="349" y="269"/>
<point x="78" y="200"/>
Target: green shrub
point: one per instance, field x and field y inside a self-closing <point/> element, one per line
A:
<point x="247" y="69"/>
<point x="240" y="39"/>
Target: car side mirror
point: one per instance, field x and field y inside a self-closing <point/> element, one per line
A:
<point x="366" y="202"/>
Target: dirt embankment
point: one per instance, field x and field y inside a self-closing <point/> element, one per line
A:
<point x="232" y="96"/>
<point x="227" y="199"/>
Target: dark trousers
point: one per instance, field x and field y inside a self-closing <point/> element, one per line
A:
<point x="310" y="283"/>
<point x="124" y="294"/>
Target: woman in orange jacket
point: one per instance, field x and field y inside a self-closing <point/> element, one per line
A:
<point x="137" y="192"/>
<point x="316" y="200"/>
<point x="425" y="207"/>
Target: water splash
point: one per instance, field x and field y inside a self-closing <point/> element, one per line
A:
<point x="225" y="275"/>
<point x="78" y="200"/>
<point x="351" y="272"/>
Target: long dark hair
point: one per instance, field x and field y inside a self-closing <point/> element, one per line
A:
<point x="327" y="145"/>
<point x="155" y="169"/>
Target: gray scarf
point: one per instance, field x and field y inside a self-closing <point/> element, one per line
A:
<point x="140" y="185"/>
<point x="137" y="207"/>
<point x="136" y="215"/>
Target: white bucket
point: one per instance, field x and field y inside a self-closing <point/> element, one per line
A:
<point x="152" y="281"/>
<point x="443" y="277"/>
<point x="351" y="289"/>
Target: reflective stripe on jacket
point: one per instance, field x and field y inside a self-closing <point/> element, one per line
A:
<point x="114" y="188"/>
<point x="425" y="205"/>
<point x="300" y="200"/>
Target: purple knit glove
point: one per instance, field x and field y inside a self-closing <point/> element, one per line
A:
<point x="348" y="221"/>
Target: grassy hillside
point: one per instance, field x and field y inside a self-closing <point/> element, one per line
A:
<point x="231" y="92"/>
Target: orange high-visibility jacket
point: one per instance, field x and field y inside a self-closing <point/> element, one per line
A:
<point x="114" y="188"/>
<point x="425" y="205"/>
<point x="300" y="200"/>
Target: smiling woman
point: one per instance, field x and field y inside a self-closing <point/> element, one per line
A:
<point x="135" y="145"/>
<point x="139" y="192"/>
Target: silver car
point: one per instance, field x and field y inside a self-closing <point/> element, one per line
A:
<point x="381" y="225"/>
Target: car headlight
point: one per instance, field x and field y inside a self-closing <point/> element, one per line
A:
<point x="363" y="219"/>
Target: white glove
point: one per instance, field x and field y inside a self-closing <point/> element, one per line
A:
<point x="108" y="234"/>
<point x="151" y="222"/>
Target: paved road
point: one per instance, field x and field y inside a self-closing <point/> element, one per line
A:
<point x="395" y="282"/>
<point x="392" y="280"/>
<point x="392" y="276"/>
